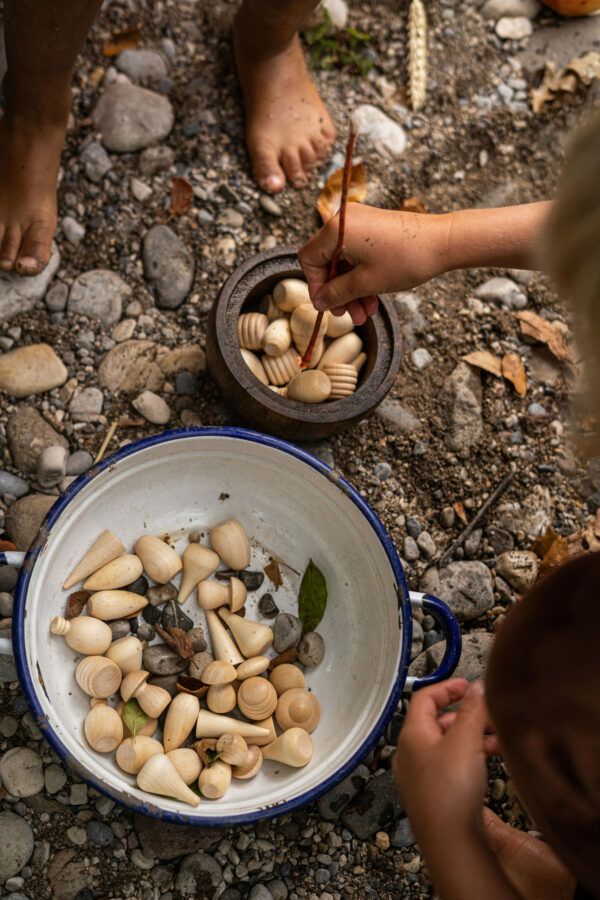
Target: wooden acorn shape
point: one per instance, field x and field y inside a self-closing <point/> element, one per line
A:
<point x="251" y="328"/>
<point x="221" y="698"/>
<point x="269" y="726"/>
<point x="277" y="338"/>
<point x="302" y="324"/>
<point x="343" y="350"/>
<point x="214" y="780"/>
<point x="256" y="665"/>
<point x="232" y="748"/>
<point x="237" y="594"/>
<point x="84" y="634"/>
<point x="109" y="605"/>
<point x="104" y="549"/>
<point x="231" y="542"/>
<point x="181" y="718"/>
<point x="255" y="365"/>
<point x="146" y="730"/>
<point x="211" y="725"/>
<point x="285" y="677"/>
<point x="160" y="561"/>
<point x="223" y="646"/>
<point x="158" y="775"/>
<point x="212" y="594"/>
<point x="294" y="748"/>
<point x="103" y="728"/>
<point x="280" y="369"/>
<point x="290" y="293"/>
<point x="310" y="386"/>
<point x="359" y="362"/>
<point x="339" y="325"/>
<point x="127" y="653"/>
<point x="269" y="308"/>
<point x="257" y="698"/>
<point x="118" y="573"/>
<point x="152" y="698"/>
<point x="187" y="762"/>
<point x="298" y="708"/>
<point x="251" y="764"/>
<point x="252" y="638"/>
<point x="98" y="676"/>
<point x="343" y="378"/>
<point x="134" y="752"/>
<point x="218" y="672"/>
<point x="198" y="563"/>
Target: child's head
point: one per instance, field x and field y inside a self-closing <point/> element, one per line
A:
<point x="543" y="694"/>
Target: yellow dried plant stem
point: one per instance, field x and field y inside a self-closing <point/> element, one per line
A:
<point x="417" y="54"/>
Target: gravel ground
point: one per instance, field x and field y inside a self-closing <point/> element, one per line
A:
<point x="439" y="445"/>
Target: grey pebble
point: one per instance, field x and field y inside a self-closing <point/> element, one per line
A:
<point x="421" y="358"/>
<point x="196" y="636"/>
<point x="413" y="526"/>
<point x="160" y="659"/>
<point x="537" y="411"/>
<point x="175" y="618"/>
<point x="99" y="293"/>
<point x="96" y="162"/>
<point x="160" y="593"/>
<point x="198" y="663"/>
<point x="410" y="549"/>
<point x="55" y="778"/>
<point x="473" y="542"/>
<point x="267" y="606"/>
<point x="186" y="383"/>
<point x="426" y="544"/>
<point x="167" y="682"/>
<point x="260" y="892"/>
<point x="16" y="845"/>
<point x="21" y="772"/>
<point x="311" y="649"/>
<point x="447" y="517"/>
<point x="151" y="614"/>
<point x="139" y="586"/>
<point x="269" y="205"/>
<point x="146" y="632"/>
<point x="402" y="836"/>
<point x="8" y="726"/>
<point x="12" y="484"/>
<point x="168" y="265"/>
<point x="56" y="297"/>
<point x="78" y="795"/>
<point x="120" y="628"/>
<point x="287" y="631"/>
<point x="79" y="462"/>
<point x="432" y="637"/>
<point x="98" y="833"/>
<point x="383" y="471"/>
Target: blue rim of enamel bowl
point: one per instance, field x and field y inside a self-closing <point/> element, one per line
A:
<point x="266" y="811"/>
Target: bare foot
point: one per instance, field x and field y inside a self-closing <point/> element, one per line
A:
<point x="29" y="161"/>
<point x="288" y="129"/>
<point x="531" y="866"/>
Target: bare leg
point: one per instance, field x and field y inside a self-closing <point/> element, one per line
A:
<point x="42" y="42"/>
<point x="288" y="129"/>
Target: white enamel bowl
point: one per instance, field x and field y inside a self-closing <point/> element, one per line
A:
<point x="295" y="508"/>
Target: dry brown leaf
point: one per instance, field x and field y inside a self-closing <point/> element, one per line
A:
<point x="122" y="40"/>
<point x="177" y="639"/>
<point x="556" y="85"/>
<point x="514" y="371"/>
<point x="459" y="509"/>
<point x="273" y="573"/>
<point x="190" y="685"/>
<point x="542" y="544"/>
<point x="546" y="333"/>
<point x="552" y="549"/>
<point x="330" y="197"/>
<point x="76" y="602"/>
<point x="182" y="195"/>
<point x="126" y="422"/>
<point x="288" y="656"/>
<point x="483" y="359"/>
<point x="413" y="204"/>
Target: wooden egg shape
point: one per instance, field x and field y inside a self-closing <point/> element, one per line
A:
<point x="231" y="542"/>
<point x="251" y="764"/>
<point x="232" y="748"/>
<point x="109" y="605"/>
<point x="187" y="763"/>
<point x="256" y="698"/>
<point x="211" y="725"/>
<point x="251" y="328"/>
<point x="294" y="748"/>
<point x="98" y="676"/>
<point x="256" y="665"/>
<point x="152" y="698"/>
<point x="290" y="293"/>
<point x="84" y="634"/>
<point x="310" y="386"/>
<point x="135" y="751"/>
<point x="343" y="378"/>
<point x="302" y="324"/>
<point x="127" y="653"/>
<point x="342" y="350"/>
<point x="214" y="780"/>
<point x="98" y="701"/>
<point x="269" y="726"/>
<point x="223" y="646"/>
<point x="339" y="325"/>
<point x="252" y="638"/>
<point x="146" y="730"/>
<point x="277" y="338"/>
<point x="118" y="573"/>
<point x="359" y="362"/>
<point x="198" y="563"/>
<point x="181" y="717"/>
<point x="279" y="369"/>
<point x="237" y="594"/>
<point x="218" y="672"/>
<point x="103" y="728"/>
<point x="160" y="561"/>
<point x="269" y="308"/>
<point x="317" y="353"/>
<point x="212" y="594"/>
<point x="221" y="698"/>
<point x="298" y="708"/>
<point x="285" y="677"/>
<point x="158" y="775"/>
<point x="104" y="549"/>
<point x="255" y="365"/>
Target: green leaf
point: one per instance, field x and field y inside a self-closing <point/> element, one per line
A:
<point x="133" y="716"/>
<point x="312" y="598"/>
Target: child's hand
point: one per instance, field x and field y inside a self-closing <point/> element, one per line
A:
<point x="388" y="251"/>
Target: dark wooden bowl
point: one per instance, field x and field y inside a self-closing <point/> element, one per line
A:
<point x="264" y="409"/>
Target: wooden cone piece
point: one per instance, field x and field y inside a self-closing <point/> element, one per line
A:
<point x="135" y="751"/>
<point x="108" y="605"/>
<point x="181" y="718"/>
<point x="269" y="726"/>
<point x="159" y="559"/>
<point x="106" y="548"/>
<point x="211" y="725"/>
<point x="198" y="563"/>
<point x="214" y="780"/>
<point x="118" y="573"/>
<point x="158" y="775"/>
<point x="294" y="748"/>
<point x="222" y="645"/>
<point x="252" y="638"/>
<point x="187" y="762"/>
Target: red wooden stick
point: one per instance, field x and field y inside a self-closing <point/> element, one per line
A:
<point x="340" y="241"/>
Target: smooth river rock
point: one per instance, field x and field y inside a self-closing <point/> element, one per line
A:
<point x="168" y="265"/>
<point x="99" y="293"/>
<point x="31" y="370"/>
<point x="476" y="648"/>
<point x="25" y="516"/>
<point x="28" y="435"/>
<point x="160" y="659"/>
<point x="465" y="586"/>
<point x="22" y="772"/>
<point x="19" y="294"/>
<point x="130" y="118"/>
<point x="16" y="844"/>
<point x="132" y="366"/>
<point x="152" y="407"/>
<point x="461" y="401"/>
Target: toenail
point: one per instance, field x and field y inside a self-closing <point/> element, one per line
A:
<point x="273" y="182"/>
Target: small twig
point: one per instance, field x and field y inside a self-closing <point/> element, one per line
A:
<point x="480" y="514"/>
<point x="106" y="442"/>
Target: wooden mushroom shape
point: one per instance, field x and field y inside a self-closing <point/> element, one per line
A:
<point x="181" y="718"/>
<point x="198" y="563"/>
<point x="252" y="638"/>
<point x="104" y="549"/>
<point x="85" y="634"/>
<point x="135" y="751"/>
<point x="118" y="573"/>
<point x="221" y="698"/>
<point x="152" y="698"/>
<point x="237" y="594"/>
<point x="212" y="594"/>
<point x="103" y="728"/>
<point x="223" y="646"/>
<point x="251" y="764"/>
<point x="211" y="725"/>
<point x="160" y="561"/>
<point x="256" y="665"/>
<point x="117" y="604"/>
<point x="294" y="748"/>
<point x="98" y="676"/>
<point x="218" y="672"/>
<point x="257" y="698"/>
<point x="127" y="653"/>
<point x="158" y="775"/>
<point x="298" y="708"/>
<point x="232" y="748"/>
<point x="187" y="762"/>
<point x="285" y="677"/>
<point x="146" y="730"/>
<point x="214" y="780"/>
<point x="231" y="542"/>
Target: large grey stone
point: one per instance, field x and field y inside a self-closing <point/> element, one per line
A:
<point x="461" y="401"/>
<point x="67" y="875"/>
<point x="502" y="291"/>
<point x="465" y="586"/>
<point x="142" y="65"/>
<point x="161" y="840"/>
<point x="19" y="294"/>
<point x="24" y="518"/>
<point x="22" y="772"/>
<point x="375" y="808"/>
<point x="28" y="435"/>
<point x="168" y="265"/>
<point x="476" y="648"/>
<point x="382" y="133"/>
<point x="531" y="516"/>
<point x="12" y="484"/>
<point x="197" y="873"/>
<point x="99" y="293"/>
<point x="518" y="567"/>
<point x="334" y="802"/>
<point x="561" y="43"/>
<point x="132" y="366"/>
<point x="398" y="417"/>
<point x="131" y="118"/>
<point x="16" y="844"/>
